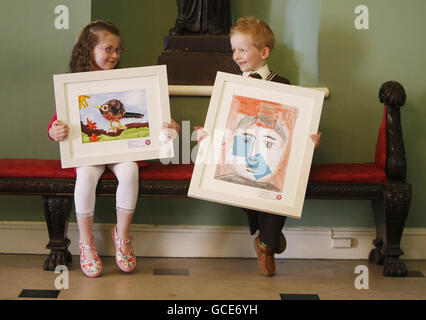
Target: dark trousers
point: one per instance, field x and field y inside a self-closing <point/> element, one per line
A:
<point x="269" y="226"/>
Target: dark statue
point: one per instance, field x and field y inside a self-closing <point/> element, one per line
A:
<point x="202" y="17"/>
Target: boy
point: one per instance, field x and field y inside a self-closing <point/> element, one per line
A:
<point x="252" y="42"/>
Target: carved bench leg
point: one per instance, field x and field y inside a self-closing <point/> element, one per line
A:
<point x="390" y="224"/>
<point x="57" y="211"/>
<point x="376" y="254"/>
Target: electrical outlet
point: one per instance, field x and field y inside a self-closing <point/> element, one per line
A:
<point x="341" y="242"/>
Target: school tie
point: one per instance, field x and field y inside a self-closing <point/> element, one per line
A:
<point x="255" y="75"/>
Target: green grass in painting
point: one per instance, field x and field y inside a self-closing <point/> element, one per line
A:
<point x="126" y="134"/>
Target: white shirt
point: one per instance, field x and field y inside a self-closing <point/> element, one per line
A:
<point x="264" y="72"/>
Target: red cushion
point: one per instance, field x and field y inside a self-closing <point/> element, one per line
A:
<point x="381" y="144"/>
<point x="37" y="168"/>
<point x="34" y="168"/>
<point x="155" y="170"/>
<point x="347" y="172"/>
<point x="158" y="171"/>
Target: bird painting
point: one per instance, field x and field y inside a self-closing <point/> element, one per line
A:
<point x="113" y="111"/>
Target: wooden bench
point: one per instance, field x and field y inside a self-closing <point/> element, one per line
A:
<point x="383" y="181"/>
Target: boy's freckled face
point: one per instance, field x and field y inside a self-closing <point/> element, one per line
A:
<point x="103" y="60"/>
<point x="245" y="54"/>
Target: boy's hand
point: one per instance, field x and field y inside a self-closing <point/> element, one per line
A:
<point x="201" y="133"/>
<point x="170" y="130"/>
<point x="58" y="131"/>
<point x="316" y="138"/>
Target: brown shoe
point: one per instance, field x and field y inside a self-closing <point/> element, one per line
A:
<point x="265" y="258"/>
<point x="283" y="244"/>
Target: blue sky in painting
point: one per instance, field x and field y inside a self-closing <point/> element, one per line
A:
<point x="134" y="101"/>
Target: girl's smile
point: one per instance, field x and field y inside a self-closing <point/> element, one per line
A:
<point x="108" y="42"/>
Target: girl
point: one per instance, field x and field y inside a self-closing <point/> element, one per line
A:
<point x="98" y="48"/>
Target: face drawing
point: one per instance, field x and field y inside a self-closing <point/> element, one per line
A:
<point x="257" y="152"/>
<point x="256" y="145"/>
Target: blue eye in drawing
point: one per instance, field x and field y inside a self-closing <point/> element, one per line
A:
<point x="242" y="146"/>
<point x="256" y="164"/>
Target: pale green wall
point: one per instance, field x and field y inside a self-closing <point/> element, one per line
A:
<point x="32" y="50"/>
<point x="316" y="45"/>
<point x="354" y="64"/>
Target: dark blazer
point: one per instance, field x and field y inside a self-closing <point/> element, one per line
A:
<point x="277" y="78"/>
<point x="269" y="225"/>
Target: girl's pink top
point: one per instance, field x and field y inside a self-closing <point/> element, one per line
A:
<point x="55" y="117"/>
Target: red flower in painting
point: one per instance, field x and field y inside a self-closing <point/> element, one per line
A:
<point x="94" y="138"/>
<point x="90" y="124"/>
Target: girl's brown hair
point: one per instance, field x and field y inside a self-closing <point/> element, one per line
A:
<point x="260" y="33"/>
<point x="82" y="54"/>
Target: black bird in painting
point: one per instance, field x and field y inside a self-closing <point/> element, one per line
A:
<point x="113" y="110"/>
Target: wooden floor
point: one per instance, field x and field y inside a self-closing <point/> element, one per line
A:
<point x="210" y="279"/>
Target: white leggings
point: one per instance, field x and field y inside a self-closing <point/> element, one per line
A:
<point x="127" y="174"/>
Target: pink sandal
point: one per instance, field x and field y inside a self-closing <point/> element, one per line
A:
<point x="126" y="262"/>
<point x="90" y="267"/>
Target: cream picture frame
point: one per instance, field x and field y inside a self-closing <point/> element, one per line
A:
<point x="282" y="119"/>
<point x="113" y="115"/>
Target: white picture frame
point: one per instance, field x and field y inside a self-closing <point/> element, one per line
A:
<point x="100" y="132"/>
<point x="281" y="119"/>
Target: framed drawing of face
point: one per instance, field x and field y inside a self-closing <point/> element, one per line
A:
<point x="113" y="115"/>
<point x="259" y="151"/>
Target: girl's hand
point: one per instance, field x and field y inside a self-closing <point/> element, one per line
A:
<point x="170" y="130"/>
<point x="201" y="133"/>
<point x="58" y="131"/>
<point x="316" y="138"/>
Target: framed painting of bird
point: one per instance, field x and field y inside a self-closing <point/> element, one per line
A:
<point x="113" y="115"/>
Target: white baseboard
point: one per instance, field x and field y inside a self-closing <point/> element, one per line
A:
<point x="212" y="241"/>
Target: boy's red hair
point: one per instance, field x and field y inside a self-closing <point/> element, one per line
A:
<point x="260" y="33"/>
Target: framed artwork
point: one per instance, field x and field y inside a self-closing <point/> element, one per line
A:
<point x="113" y="115"/>
<point x="258" y="152"/>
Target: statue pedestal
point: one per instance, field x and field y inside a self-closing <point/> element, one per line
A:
<point x="195" y="59"/>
